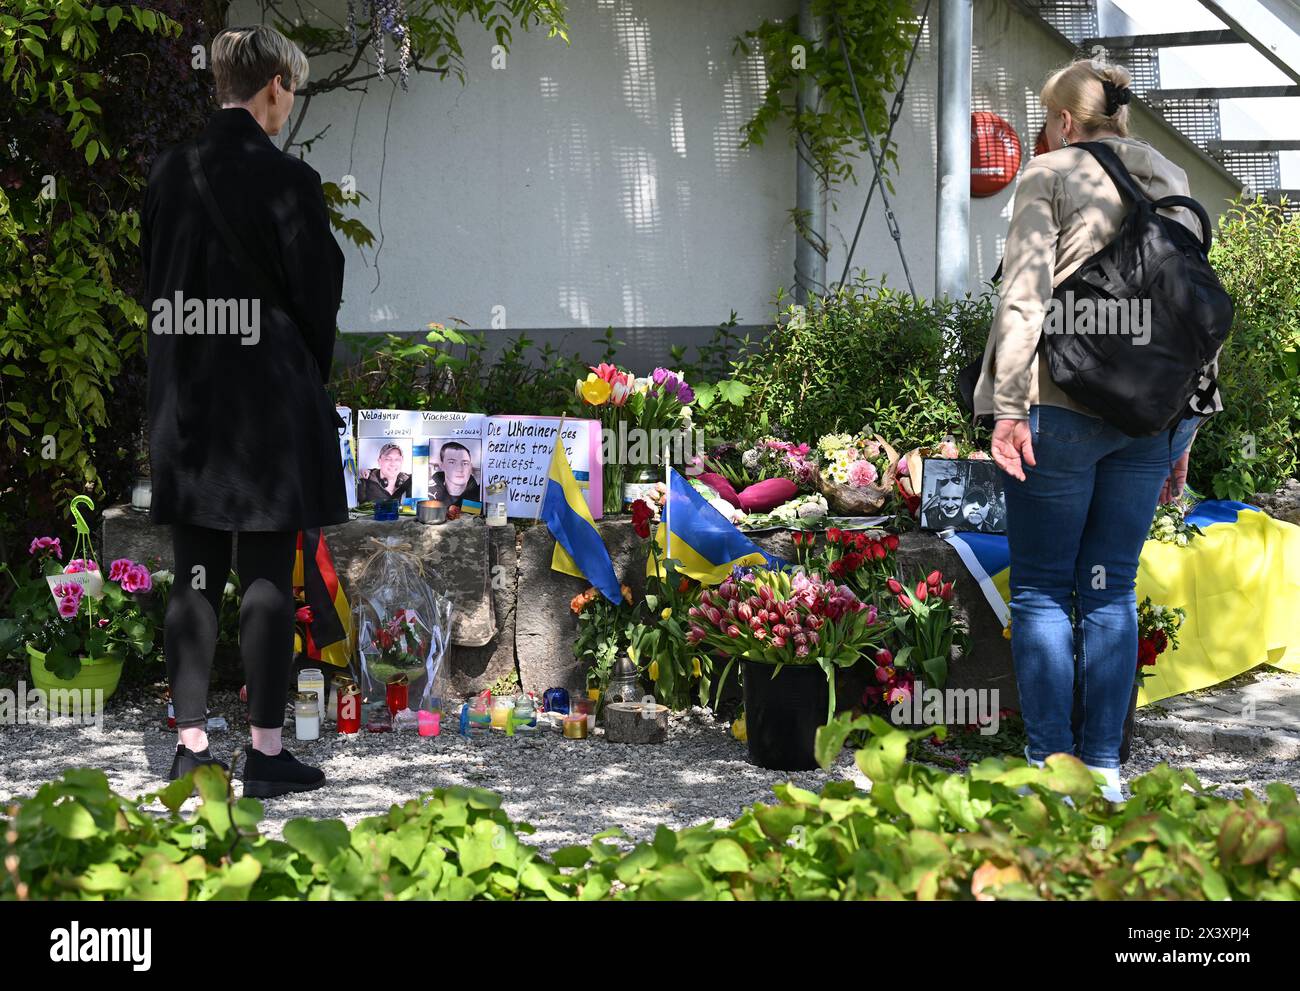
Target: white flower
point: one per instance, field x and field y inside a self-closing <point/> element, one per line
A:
<point x="161" y="577"/>
<point x="750" y="458"/>
<point x="813" y="508"/>
<point x="1182" y="540"/>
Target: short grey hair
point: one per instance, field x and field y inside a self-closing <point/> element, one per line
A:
<point x="246" y="59"/>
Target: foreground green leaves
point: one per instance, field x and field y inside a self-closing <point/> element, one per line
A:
<point x="1006" y="831"/>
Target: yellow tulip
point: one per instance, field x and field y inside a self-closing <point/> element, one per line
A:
<point x="654" y="670"/>
<point x="695" y="666"/>
<point x="738" y="729"/>
<point x="595" y="391"/>
<point x="667" y="613"/>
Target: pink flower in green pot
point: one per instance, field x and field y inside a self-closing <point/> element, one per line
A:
<point x="137" y="579"/>
<point x="46" y="543"/>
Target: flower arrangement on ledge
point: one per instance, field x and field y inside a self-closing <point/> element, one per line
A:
<point x="1170" y="526"/>
<point x="782" y="618"/>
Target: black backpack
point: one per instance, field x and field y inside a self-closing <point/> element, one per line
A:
<point x="1154" y="277"/>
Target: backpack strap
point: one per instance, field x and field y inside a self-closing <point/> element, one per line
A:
<point x="1114" y="168"/>
<point x="1123" y="180"/>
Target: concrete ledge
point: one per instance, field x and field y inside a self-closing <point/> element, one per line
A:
<point x="512" y="610"/>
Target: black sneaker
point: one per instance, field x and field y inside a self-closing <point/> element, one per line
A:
<point x="187" y="760"/>
<point x="266" y="777"/>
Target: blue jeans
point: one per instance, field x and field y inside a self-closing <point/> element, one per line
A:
<point x="1076" y="526"/>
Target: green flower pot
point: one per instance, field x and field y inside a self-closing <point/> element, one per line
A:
<point x="99" y="673"/>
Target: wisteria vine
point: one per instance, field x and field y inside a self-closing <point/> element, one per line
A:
<point x="387" y="17"/>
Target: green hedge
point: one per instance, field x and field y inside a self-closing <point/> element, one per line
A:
<point x="919" y="833"/>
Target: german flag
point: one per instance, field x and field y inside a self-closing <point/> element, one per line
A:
<point x="329" y="632"/>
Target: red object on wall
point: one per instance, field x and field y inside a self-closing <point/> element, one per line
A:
<point x="994" y="153"/>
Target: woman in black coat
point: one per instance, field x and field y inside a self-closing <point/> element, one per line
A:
<point x="244" y="281"/>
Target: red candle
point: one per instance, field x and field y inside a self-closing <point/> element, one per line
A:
<point x="349" y="717"/>
<point x="397" y="694"/>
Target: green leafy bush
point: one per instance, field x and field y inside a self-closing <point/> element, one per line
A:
<point x="452" y="369"/>
<point x="1004" y="830"/>
<point x="89" y="93"/>
<point x="864" y="355"/>
<point x="1252" y="445"/>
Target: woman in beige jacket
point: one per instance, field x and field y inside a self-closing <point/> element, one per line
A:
<point x="1080" y="494"/>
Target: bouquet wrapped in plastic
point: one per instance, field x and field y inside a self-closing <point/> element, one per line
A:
<point x="403" y="627"/>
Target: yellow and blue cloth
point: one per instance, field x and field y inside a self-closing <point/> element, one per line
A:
<point x="579" y="549"/>
<point x="706" y="545"/>
<point x="1239" y="583"/>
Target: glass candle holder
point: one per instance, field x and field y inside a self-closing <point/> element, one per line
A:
<point x="502" y="707"/>
<point x="306" y="716"/>
<point x="349" y="717"/>
<point x="396" y="694"/>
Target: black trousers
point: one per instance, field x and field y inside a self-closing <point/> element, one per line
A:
<point x="202" y="565"/>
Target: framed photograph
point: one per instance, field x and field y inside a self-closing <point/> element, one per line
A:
<point x="959" y="494"/>
<point x="383" y="468"/>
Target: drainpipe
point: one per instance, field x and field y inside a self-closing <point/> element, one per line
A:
<point x="952" y="214"/>
<point x="810" y="191"/>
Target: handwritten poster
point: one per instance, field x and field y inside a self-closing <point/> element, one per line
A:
<point x="517" y="450"/>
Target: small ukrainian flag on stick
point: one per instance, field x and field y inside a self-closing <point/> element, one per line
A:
<point x="579" y="549"/>
<point x="705" y="544"/>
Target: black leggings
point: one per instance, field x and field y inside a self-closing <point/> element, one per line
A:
<point x="202" y="566"/>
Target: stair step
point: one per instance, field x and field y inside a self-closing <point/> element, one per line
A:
<point x="1175" y="39"/>
<point x="1220" y="93"/>
<point x="1290" y="144"/>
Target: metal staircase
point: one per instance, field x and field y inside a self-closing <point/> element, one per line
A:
<point x="1271" y="27"/>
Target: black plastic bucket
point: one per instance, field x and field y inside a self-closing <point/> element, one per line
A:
<point x="782" y="714"/>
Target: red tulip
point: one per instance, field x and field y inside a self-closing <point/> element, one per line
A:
<point x="933" y="578"/>
<point x="920" y="591"/>
<point x="945" y="592"/>
<point x="904" y="601"/>
<point x="884" y="657"/>
<point x="894" y="585"/>
<point x="891" y="541"/>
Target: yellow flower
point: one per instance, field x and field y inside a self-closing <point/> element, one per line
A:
<point x="595" y="390"/>
<point x="695" y="667"/>
<point x="738" y="729"/>
<point x="654" y="670"/>
<point x="667" y="613"/>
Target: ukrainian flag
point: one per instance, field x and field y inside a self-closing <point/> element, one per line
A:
<point x="705" y="544"/>
<point x="579" y="550"/>
<point x="1239" y="582"/>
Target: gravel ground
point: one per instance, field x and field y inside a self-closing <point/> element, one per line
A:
<point x="567" y="789"/>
